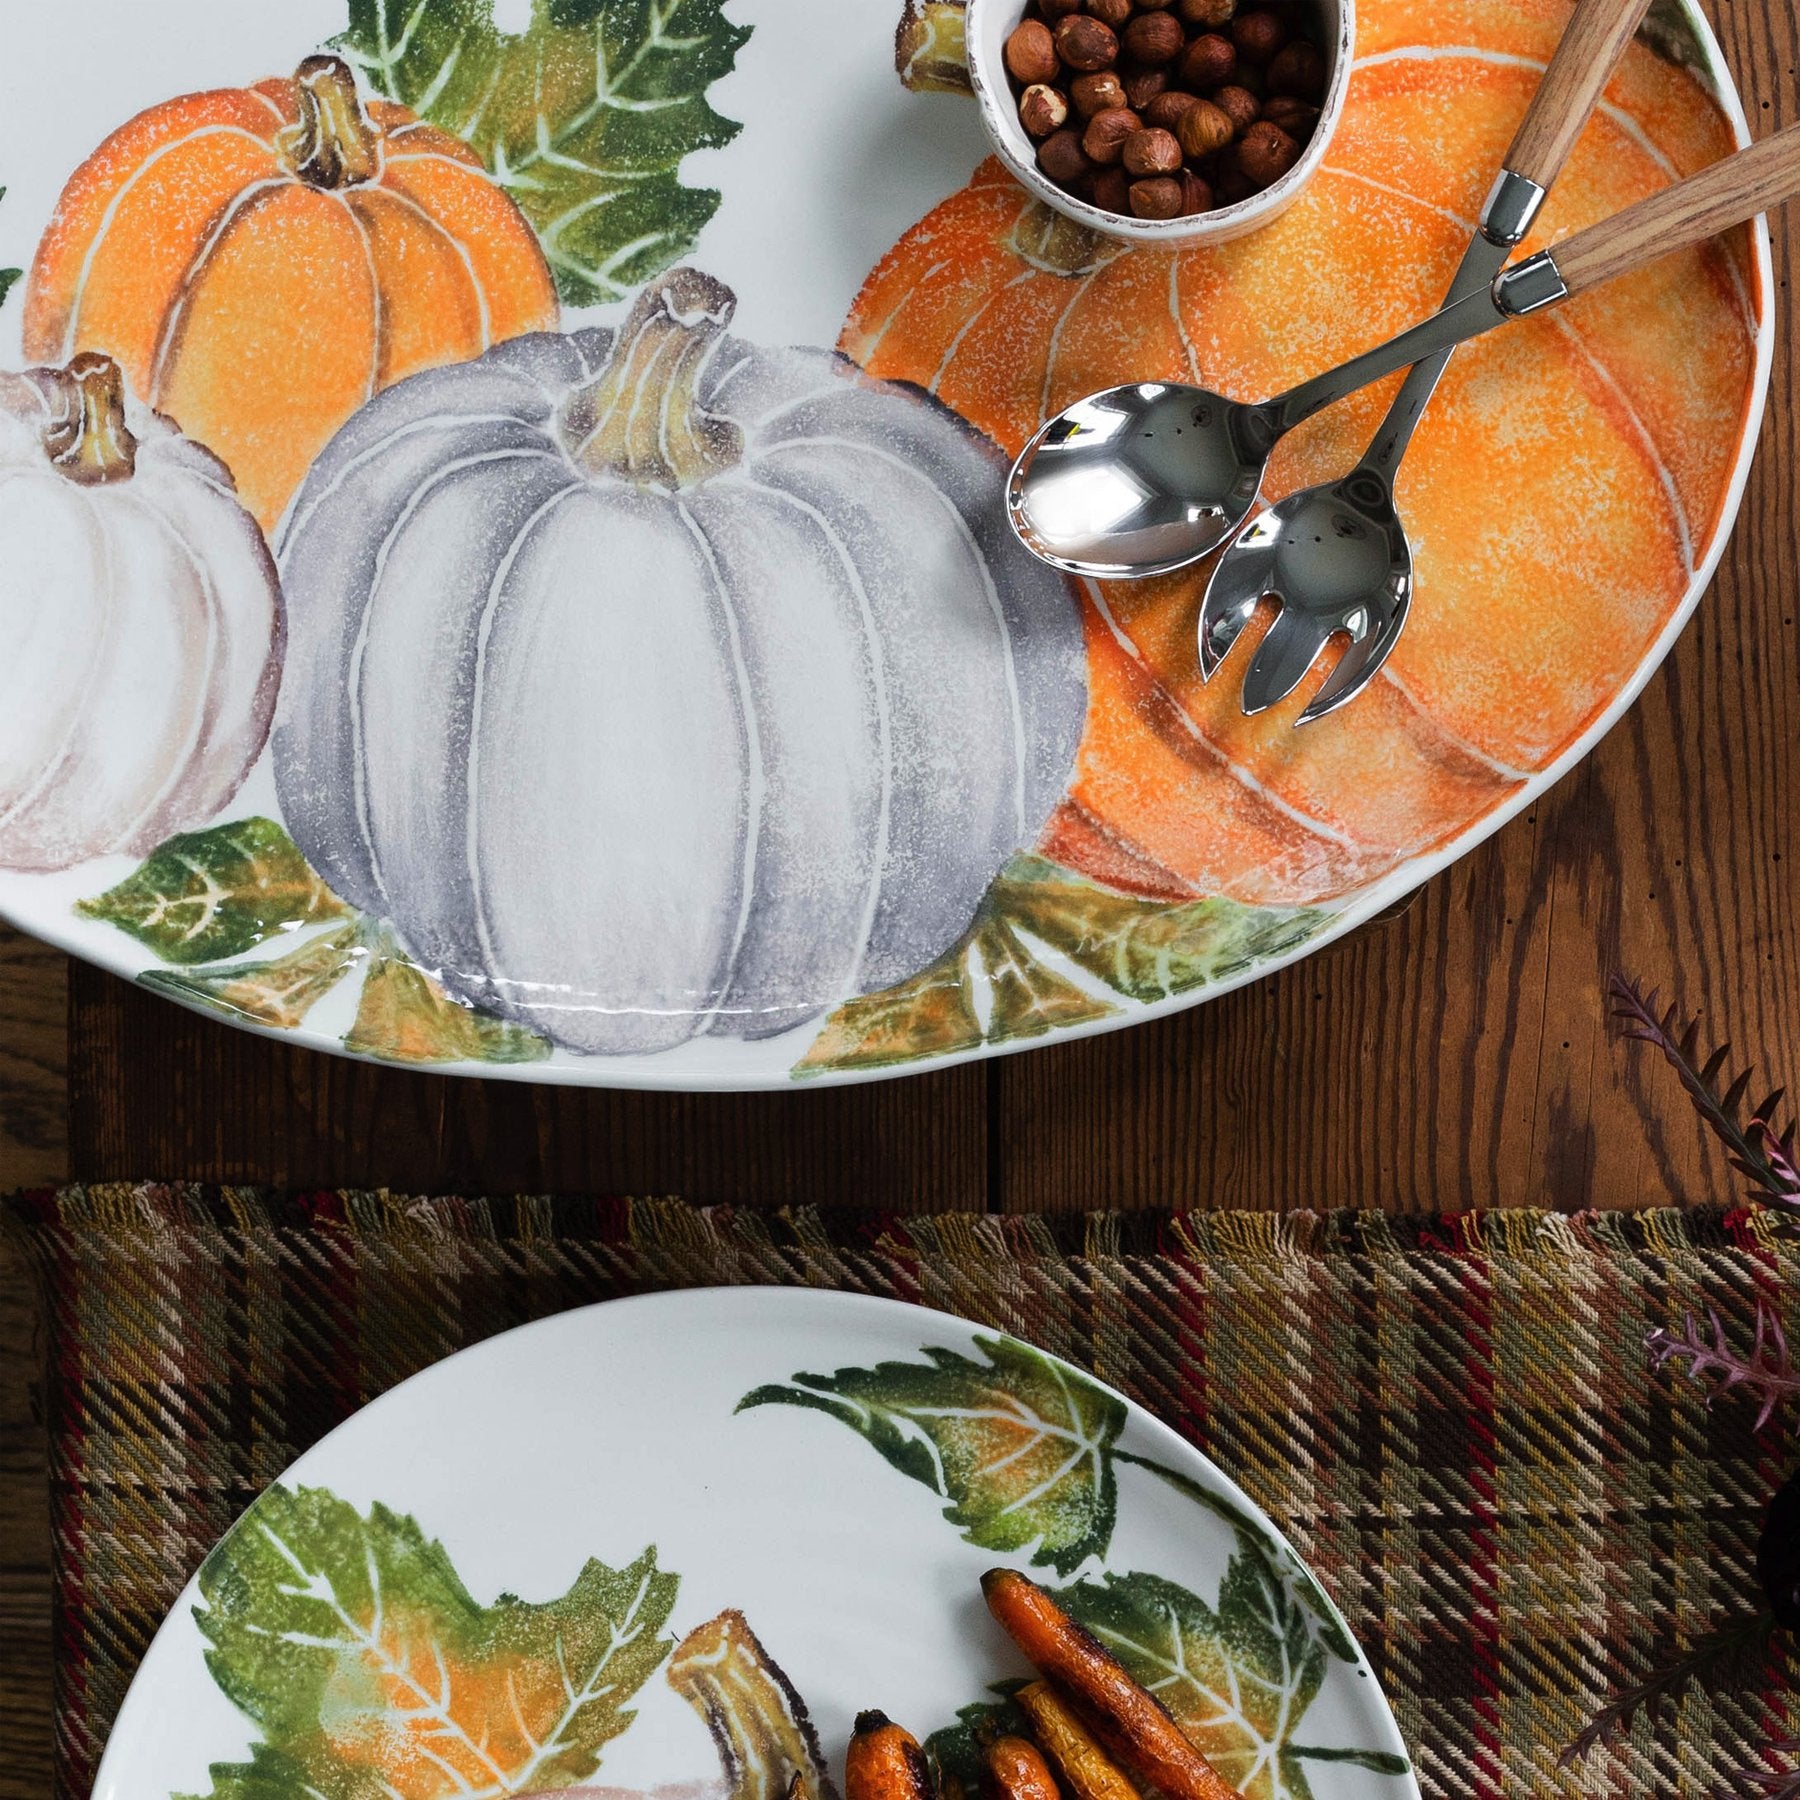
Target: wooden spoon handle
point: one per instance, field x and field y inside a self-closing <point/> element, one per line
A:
<point x="1731" y="191"/>
<point x="1594" y="42"/>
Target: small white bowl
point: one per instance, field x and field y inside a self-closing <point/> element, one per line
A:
<point x="989" y="23"/>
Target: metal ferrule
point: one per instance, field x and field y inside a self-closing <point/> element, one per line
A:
<point x="1512" y="204"/>
<point x="1529" y="286"/>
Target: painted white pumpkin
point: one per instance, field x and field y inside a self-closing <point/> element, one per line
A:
<point x="655" y="683"/>
<point x="140" y="623"/>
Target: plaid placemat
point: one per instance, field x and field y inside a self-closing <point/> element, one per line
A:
<point x="1453" y="1418"/>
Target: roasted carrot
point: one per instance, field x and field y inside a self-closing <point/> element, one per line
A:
<point x="885" y="1762"/>
<point x="1013" y="1768"/>
<point x="1087" y="1772"/>
<point x="1129" y="1720"/>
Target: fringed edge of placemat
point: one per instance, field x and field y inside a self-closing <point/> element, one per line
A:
<point x="126" y="1209"/>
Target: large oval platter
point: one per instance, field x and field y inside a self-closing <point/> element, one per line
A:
<point x="509" y="575"/>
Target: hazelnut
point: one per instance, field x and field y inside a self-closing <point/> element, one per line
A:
<point x="1111" y="13"/>
<point x="1295" y="117"/>
<point x="1259" y="34"/>
<point x="1058" y="9"/>
<point x="1031" y="53"/>
<point x="1096" y="93"/>
<point x="1106" y="133"/>
<point x="1230" y="183"/>
<point x="1151" y="151"/>
<point x="1196" y="195"/>
<point x="1153" y="5"/>
<point x="1210" y="62"/>
<point x="1207" y="13"/>
<point x="1157" y="198"/>
<point x="1239" y="105"/>
<point x="1143" y="85"/>
<point x="1164" y="110"/>
<point x="1204" y="128"/>
<point x="1060" y="157"/>
<point x="1153" y="38"/>
<point x="1266" y="153"/>
<point x="1042" y="109"/>
<point x="1086" y="44"/>
<point x="1112" y="190"/>
<point x="1298" y="69"/>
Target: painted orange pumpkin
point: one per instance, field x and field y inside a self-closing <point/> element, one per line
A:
<point x="261" y="260"/>
<point x="1560" y="495"/>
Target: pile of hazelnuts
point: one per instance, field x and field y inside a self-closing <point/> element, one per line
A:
<point x="1160" y="108"/>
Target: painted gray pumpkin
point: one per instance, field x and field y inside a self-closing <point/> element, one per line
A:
<point x="656" y="683"/>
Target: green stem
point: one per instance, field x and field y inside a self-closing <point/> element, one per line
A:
<point x="1380" y="1762"/>
<point x="640" y="419"/>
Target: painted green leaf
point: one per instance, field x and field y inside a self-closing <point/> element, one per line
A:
<point x="279" y="992"/>
<point x="215" y="893"/>
<point x="373" y="1674"/>
<point x="990" y="988"/>
<point x="1021" y="1447"/>
<point x="1047" y="949"/>
<point x="583" y="118"/>
<point x="1238" y="1677"/>
<point x="955" y="1750"/>
<point x="1301" y="1582"/>
<point x="405" y="1016"/>
<point x="1146" y="949"/>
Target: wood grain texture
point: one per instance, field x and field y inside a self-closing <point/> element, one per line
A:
<point x="1595" y="39"/>
<point x="33" y="1149"/>
<point x="24" y="1546"/>
<point x="157" y="1089"/>
<point x="1757" y="179"/>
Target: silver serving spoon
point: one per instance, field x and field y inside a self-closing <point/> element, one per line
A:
<point x="1336" y="556"/>
<point x="1149" y="477"/>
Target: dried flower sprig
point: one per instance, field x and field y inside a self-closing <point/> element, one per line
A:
<point x="1754" y="1145"/>
<point x="1731" y="1655"/>
<point x="1780" y="1154"/>
<point x="1766" y="1374"/>
<point x="1764" y="1784"/>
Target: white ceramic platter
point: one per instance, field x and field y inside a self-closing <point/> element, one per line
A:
<point x="582" y="1555"/>
<point x="558" y="618"/>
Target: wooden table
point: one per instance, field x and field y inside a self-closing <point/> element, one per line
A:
<point x="1454" y="1054"/>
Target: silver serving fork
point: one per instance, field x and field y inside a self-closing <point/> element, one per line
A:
<point x="1336" y="557"/>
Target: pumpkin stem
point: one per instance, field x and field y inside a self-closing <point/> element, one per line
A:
<point x="639" y="418"/>
<point x="930" y="50"/>
<point x="85" y="434"/>
<point x="1058" y="245"/>
<point x="334" y="145"/>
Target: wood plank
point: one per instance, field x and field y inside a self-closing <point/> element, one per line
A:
<point x="25" y="1662"/>
<point x="33" y="1151"/>
<point x="161" y="1091"/>
<point x="34" y="1060"/>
